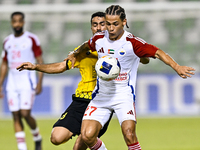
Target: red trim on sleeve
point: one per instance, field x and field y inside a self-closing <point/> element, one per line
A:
<point x="90" y="45"/>
<point x="141" y="48"/>
<point x="91" y="42"/>
<point x="36" y="48"/>
<point x="5" y="57"/>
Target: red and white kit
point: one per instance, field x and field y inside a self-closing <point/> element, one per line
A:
<point x="118" y="94"/>
<point x="20" y="84"/>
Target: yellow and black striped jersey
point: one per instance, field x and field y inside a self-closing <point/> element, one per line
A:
<point x="86" y="64"/>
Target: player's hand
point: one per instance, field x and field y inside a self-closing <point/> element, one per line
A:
<point x="185" y="72"/>
<point x="26" y="66"/>
<point x="38" y="89"/>
<point x="72" y="58"/>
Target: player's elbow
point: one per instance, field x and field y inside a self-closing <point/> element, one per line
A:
<point x="145" y="60"/>
<point x="62" y="70"/>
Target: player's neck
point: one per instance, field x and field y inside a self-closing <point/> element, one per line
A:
<point x="19" y="34"/>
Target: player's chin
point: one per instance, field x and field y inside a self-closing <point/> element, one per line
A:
<point x="112" y="36"/>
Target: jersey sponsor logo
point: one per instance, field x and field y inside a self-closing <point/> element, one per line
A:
<point x="111" y="51"/>
<point x="24" y="45"/>
<point x="101" y="50"/>
<point x="121" y="77"/>
<point x="122" y="52"/>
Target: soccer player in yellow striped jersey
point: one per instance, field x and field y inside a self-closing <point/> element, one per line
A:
<point x="87" y="70"/>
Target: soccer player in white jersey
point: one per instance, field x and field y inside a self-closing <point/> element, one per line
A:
<point x="21" y="86"/>
<point x="69" y="124"/>
<point x="119" y="94"/>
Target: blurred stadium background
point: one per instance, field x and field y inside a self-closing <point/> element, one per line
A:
<point x="62" y="25"/>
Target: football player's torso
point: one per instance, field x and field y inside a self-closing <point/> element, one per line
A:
<point x="88" y="75"/>
<point x="122" y="50"/>
<point x="19" y="50"/>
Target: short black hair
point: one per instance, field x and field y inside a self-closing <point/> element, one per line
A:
<point x="17" y="13"/>
<point x="97" y="14"/>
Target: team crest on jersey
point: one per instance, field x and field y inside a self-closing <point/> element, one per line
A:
<point x="122" y="52"/>
<point x="24" y="45"/>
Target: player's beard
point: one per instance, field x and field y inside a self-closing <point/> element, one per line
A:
<point x="18" y="31"/>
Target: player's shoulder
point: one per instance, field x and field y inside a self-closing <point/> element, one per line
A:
<point x="132" y="38"/>
<point x="6" y="39"/>
<point x="33" y="37"/>
<point x="92" y="54"/>
<point x="128" y="35"/>
<point x="30" y="34"/>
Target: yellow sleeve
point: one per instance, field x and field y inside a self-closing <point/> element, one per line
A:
<point x="69" y="64"/>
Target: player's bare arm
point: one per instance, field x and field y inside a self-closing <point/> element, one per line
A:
<point x="183" y="71"/>
<point x="46" y="68"/>
<point x="83" y="48"/>
<point x="4" y="69"/>
<point x="39" y="60"/>
<point x="144" y="60"/>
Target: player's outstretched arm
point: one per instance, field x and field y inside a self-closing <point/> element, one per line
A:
<point x="46" y="68"/>
<point x="72" y="57"/>
<point x="183" y="71"/>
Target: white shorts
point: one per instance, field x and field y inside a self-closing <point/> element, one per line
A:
<point x="101" y="106"/>
<point x="20" y="99"/>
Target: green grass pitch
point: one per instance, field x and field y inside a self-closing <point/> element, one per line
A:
<point x="153" y="134"/>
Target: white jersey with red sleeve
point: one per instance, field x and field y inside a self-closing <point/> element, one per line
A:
<point x="17" y="50"/>
<point x="128" y="50"/>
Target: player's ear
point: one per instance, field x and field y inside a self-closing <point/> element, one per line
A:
<point x="124" y="22"/>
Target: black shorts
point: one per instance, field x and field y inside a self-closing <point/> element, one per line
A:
<point x="72" y="117"/>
